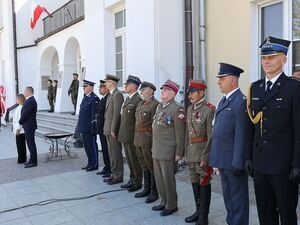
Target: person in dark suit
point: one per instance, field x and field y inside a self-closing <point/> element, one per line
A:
<point x="105" y="172"/>
<point x="87" y="125"/>
<point x="228" y="145"/>
<point x="28" y="121"/>
<point x="273" y="158"/>
<point x="50" y="96"/>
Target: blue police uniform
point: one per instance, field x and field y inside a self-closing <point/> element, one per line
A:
<point x="274" y="151"/>
<point x="87" y="127"/>
<point x="228" y="151"/>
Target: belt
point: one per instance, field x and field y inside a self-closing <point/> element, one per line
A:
<point x="143" y="129"/>
<point x="198" y="139"/>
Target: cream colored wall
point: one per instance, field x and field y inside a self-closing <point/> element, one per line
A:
<point x="228" y="40"/>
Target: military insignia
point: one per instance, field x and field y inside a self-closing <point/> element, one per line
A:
<point x="181" y="116"/>
<point x="261" y="85"/>
<point x="255" y="99"/>
<point x="228" y="109"/>
<point x="128" y="111"/>
<point x="198" y="115"/>
<point x="278" y="84"/>
<point x="268" y="40"/>
<point x="278" y="99"/>
<point x="210" y="105"/>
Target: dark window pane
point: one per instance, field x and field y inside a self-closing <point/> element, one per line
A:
<point x="119" y="44"/>
<point x="119" y="21"/>
<point x="119" y="61"/>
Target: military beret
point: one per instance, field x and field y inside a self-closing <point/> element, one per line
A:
<point x="274" y="46"/>
<point x="133" y="80"/>
<point x="112" y="77"/>
<point x="196" y="85"/>
<point x="88" y="83"/>
<point x="226" y="69"/>
<point x="148" y="84"/>
<point x="171" y="85"/>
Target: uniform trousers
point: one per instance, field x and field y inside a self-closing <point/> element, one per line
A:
<point x="91" y="149"/>
<point x="236" y="197"/>
<point x="164" y="173"/>
<point x="133" y="164"/>
<point x="74" y="101"/>
<point x="116" y="157"/>
<point x="276" y="197"/>
<point x="51" y="103"/>
<point x="105" y="153"/>
<point x="144" y="155"/>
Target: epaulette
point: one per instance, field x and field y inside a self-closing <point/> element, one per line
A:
<point x="258" y="81"/>
<point x="178" y="104"/>
<point x="210" y="105"/>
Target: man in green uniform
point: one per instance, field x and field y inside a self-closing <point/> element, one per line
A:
<point x="198" y="141"/>
<point x="50" y="96"/>
<point x="73" y="91"/>
<point x="144" y="114"/>
<point x="168" y="146"/>
<point x="126" y="133"/>
<point x="54" y="85"/>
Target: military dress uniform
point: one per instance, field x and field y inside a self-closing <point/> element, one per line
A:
<point x="275" y="142"/>
<point x="54" y="90"/>
<point x="50" y="96"/>
<point x="126" y="135"/>
<point x="73" y="91"/>
<point x="144" y="114"/>
<point x="168" y="141"/>
<point x="228" y="150"/>
<point x="87" y="127"/>
<point x="112" y="120"/>
<point x="198" y="143"/>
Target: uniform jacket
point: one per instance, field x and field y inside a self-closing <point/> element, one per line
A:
<point x="54" y="92"/>
<point x="112" y="112"/>
<point x="144" y="114"/>
<point x="198" y="131"/>
<point x="50" y="92"/>
<point x="127" y="127"/>
<point x="100" y="114"/>
<point x="276" y="147"/>
<point x="73" y="89"/>
<point x="28" y="114"/>
<point x="228" y="136"/>
<point x="87" y="114"/>
<point x="168" y="131"/>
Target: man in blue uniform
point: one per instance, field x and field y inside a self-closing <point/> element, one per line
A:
<point x="273" y="158"/>
<point x="87" y="124"/>
<point x="228" y="145"/>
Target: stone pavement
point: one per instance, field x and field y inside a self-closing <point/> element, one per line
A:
<point x="64" y="179"/>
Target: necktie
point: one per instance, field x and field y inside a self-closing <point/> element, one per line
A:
<point x="223" y="100"/>
<point x="269" y="84"/>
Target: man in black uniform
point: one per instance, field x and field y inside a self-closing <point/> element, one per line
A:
<point x="273" y="158"/>
<point x="50" y="96"/>
<point x="100" y="123"/>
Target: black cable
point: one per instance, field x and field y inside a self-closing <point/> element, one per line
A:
<point x="49" y="201"/>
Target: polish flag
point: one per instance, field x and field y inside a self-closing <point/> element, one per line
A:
<point x="36" y="12"/>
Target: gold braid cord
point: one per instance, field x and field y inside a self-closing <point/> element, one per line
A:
<point x="259" y="116"/>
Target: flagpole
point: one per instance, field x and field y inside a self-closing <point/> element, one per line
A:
<point x="15" y="48"/>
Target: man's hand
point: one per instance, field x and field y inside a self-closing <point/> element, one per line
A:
<point x="203" y="164"/>
<point x="295" y="175"/>
<point x="18" y="132"/>
<point x="177" y="158"/>
<point x="249" y="167"/>
<point x="238" y="172"/>
<point x="113" y="134"/>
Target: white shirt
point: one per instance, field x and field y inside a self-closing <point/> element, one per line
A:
<point x="230" y="93"/>
<point x="112" y="91"/>
<point x="29" y="97"/>
<point x="130" y="96"/>
<point x="16" y="115"/>
<point x="273" y="80"/>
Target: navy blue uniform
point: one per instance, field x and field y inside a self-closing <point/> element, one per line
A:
<point x="28" y="121"/>
<point x="87" y="127"/>
<point x="275" y="149"/>
<point x="228" y="154"/>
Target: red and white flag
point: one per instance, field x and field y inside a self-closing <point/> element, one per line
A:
<point x="36" y="12"/>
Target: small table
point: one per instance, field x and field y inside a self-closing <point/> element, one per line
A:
<point x="55" y="151"/>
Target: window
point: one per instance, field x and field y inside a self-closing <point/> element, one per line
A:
<point x="120" y="19"/>
<point x="119" y="58"/>
<point x="296" y="35"/>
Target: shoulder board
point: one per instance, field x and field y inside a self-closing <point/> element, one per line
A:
<point x="210" y="105"/>
<point x="178" y="104"/>
<point x="258" y="81"/>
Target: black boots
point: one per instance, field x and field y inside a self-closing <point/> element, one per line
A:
<point x="153" y="194"/>
<point x="204" y="206"/>
<point x="147" y="183"/>
<point x="197" y="193"/>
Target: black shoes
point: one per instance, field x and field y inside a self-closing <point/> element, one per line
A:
<point x="167" y="212"/>
<point x="102" y="172"/>
<point x="84" y="168"/>
<point x="115" y="181"/>
<point x="128" y="185"/>
<point x="106" y="175"/>
<point x="108" y="179"/>
<point x="135" y="187"/>
<point x="91" y="169"/>
<point x="158" y="208"/>
<point x="29" y="165"/>
<point x="73" y="113"/>
<point x="152" y="197"/>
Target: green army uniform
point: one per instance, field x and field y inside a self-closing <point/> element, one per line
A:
<point x="50" y="97"/>
<point x="143" y="142"/>
<point x="54" y="92"/>
<point x="168" y="141"/>
<point x="73" y="91"/>
<point x="126" y="136"/>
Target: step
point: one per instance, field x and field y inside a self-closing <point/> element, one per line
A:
<point x="56" y="125"/>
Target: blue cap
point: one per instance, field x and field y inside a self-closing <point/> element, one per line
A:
<point x="274" y="46"/>
<point x="226" y="69"/>
<point x="133" y="80"/>
<point x="88" y="83"/>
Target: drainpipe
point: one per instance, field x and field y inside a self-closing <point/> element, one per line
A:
<point x="15" y="47"/>
<point x="202" y="41"/>
<point x="189" y="67"/>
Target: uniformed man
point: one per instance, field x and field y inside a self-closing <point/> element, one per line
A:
<point x="198" y="142"/>
<point x="87" y="124"/>
<point x="105" y="172"/>
<point x="144" y="114"/>
<point x="168" y="146"/>
<point x="126" y="133"/>
<point x="50" y="96"/>
<point x="73" y="91"/>
<point x="228" y="145"/>
<point x="112" y="119"/>
<point x="274" y="158"/>
<point x="54" y="85"/>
